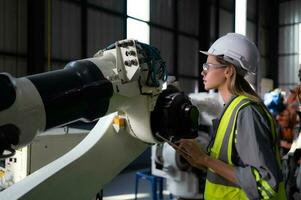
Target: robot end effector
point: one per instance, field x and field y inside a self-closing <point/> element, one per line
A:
<point x="91" y="88"/>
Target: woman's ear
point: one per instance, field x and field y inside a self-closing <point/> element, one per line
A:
<point x="229" y="71"/>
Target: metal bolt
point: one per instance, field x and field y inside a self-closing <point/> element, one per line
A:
<point x="131" y="43"/>
<point x="134" y="62"/>
<point x="133" y="53"/>
<point x="127" y="63"/>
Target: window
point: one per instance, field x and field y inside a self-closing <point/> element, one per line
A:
<point x="138" y="16"/>
<point x="240" y="16"/>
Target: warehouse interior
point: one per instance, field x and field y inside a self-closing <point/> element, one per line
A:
<point x="41" y="36"/>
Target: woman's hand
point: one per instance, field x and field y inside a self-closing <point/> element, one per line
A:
<point x="194" y="152"/>
<point x="199" y="159"/>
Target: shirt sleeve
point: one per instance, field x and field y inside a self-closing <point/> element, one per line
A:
<point x="259" y="173"/>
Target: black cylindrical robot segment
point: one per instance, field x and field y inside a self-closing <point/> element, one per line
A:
<point x="78" y="91"/>
<point x="8" y="93"/>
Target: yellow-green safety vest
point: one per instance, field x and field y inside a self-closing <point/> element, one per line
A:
<point x="218" y="188"/>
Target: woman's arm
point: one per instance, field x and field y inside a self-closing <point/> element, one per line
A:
<point x="256" y="171"/>
<point x="199" y="159"/>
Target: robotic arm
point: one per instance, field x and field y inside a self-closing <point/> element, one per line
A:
<point x="121" y="85"/>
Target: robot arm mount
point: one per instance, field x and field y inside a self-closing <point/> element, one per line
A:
<point x="54" y="98"/>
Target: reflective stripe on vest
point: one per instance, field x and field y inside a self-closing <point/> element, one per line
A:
<point x="216" y="186"/>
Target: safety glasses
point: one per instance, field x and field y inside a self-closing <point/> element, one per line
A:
<point x="208" y="66"/>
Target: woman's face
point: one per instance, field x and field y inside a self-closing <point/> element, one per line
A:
<point x="213" y="74"/>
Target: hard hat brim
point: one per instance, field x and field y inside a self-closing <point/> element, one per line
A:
<point x="210" y="54"/>
<point x="205" y="52"/>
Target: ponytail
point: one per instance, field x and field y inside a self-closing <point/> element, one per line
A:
<point x="240" y="86"/>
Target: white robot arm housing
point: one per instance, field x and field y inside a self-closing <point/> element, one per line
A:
<point x="121" y="87"/>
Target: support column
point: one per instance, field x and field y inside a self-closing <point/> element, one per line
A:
<point x="176" y="38"/>
<point x="273" y="68"/>
<point x="35" y="36"/>
<point x="84" y="28"/>
<point x="204" y="36"/>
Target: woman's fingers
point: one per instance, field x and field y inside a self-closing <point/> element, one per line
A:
<point x="188" y="144"/>
<point x="184" y="142"/>
<point x="192" y="147"/>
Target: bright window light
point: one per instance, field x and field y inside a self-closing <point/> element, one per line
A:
<point x="240" y="16"/>
<point x="126" y="196"/>
<point x="137" y="30"/>
<point x="300" y="43"/>
<point x="138" y="9"/>
<point x="196" y="87"/>
<point x="164" y="86"/>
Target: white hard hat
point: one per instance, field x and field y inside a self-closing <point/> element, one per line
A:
<point x="238" y="50"/>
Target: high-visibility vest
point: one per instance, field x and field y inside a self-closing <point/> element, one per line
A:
<point x="216" y="186"/>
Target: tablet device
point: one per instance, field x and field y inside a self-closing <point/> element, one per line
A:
<point x="173" y="145"/>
